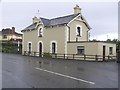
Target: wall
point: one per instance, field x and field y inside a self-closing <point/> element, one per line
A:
<point x="73" y="35"/>
<point x="100" y="45"/>
<point x="49" y="34"/>
<point x="91" y="48"/>
<point x="9" y="37"/>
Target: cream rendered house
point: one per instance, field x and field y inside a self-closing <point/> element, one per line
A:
<point x="9" y="34"/>
<point x="64" y="35"/>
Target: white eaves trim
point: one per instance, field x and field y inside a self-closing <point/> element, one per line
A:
<point x="85" y="21"/>
<point x="81" y="20"/>
<point x="74" y="18"/>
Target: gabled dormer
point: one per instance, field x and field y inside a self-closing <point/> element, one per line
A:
<point x="78" y="27"/>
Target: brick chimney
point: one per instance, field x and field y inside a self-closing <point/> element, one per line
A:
<point x="13" y="30"/>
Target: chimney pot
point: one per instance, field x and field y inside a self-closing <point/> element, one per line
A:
<point x="35" y="19"/>
<point x="77" y="9"/>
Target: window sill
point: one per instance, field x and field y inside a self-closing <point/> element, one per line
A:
<point x="110" y="54"/>
<point x="40" y="36"/>
<point x="79" y="36"/>
<point x="80" y="54"/>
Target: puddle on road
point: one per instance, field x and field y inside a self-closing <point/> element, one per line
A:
<point x="44" y="64"/>
<point x="80" y="69"/>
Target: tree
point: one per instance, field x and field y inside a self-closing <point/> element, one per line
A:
<point x="109" y="40"/>
<point x="94" y="40"/>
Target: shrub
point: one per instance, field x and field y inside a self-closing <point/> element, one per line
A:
<point x="9" y="47"/>
<point x="47" y="55"/>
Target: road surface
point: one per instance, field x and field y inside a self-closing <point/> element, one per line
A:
<point x="34" y="72"/>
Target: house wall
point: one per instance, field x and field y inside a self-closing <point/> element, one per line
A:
<point x="56" y="34"/>
<point x="91" y="48"/>
<point x="100" y="48"/>
<point x="9" y="37"/>
<point x="73" y="36"/>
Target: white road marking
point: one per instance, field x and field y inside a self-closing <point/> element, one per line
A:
<point x="65" y="76"/>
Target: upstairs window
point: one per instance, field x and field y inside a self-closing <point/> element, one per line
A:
<point x="110" y="50"/>
<point x="80" y="50"/>
<point x="40" y="32"/>
<point x="79" y="31"/>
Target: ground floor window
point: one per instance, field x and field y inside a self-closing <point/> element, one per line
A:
<point x="53" y="47"/>
<point x="80" y="50"/>
<point x="29" y="47"/>
<point x="110" y="50"/>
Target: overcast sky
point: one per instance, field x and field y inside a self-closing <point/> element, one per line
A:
<point x="101" y="16"/>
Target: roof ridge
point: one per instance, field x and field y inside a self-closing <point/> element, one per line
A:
<point x="63" y="16"/>
<point x="54" y="21"/>
<point x="44" y="18"/>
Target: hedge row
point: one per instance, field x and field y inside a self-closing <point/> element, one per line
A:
<point x="9" y="47"/>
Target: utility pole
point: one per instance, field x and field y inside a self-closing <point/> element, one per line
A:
<point x="118" y="46"/>
<point x="18" y="45"/>
<point x="118" y="53"/>
<point x="107" y="37"/>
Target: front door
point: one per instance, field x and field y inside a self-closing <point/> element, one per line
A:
<point x="104" y="52"/>
<point x="40" y="49"/>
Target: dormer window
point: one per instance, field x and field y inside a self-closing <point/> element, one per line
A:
<point x="40" y="32"/>
<point x="79" y="31"/>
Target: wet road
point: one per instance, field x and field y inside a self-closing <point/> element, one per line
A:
<point x="28" y="72"/>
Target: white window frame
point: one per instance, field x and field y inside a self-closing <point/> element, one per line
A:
<point x="38" y="46"/>
<point x="28" y="46"/>
<point x="80" y="30"/>
<point x="81" y="53"/>
<point x="51" y="46"/>
<point x="39" y="31"/>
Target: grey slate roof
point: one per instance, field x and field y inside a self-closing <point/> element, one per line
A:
<point x="52" y="22"/>
<point x="46" y="22"/>
<point x="31" y="27"/>
<point x="61" y="20"/>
